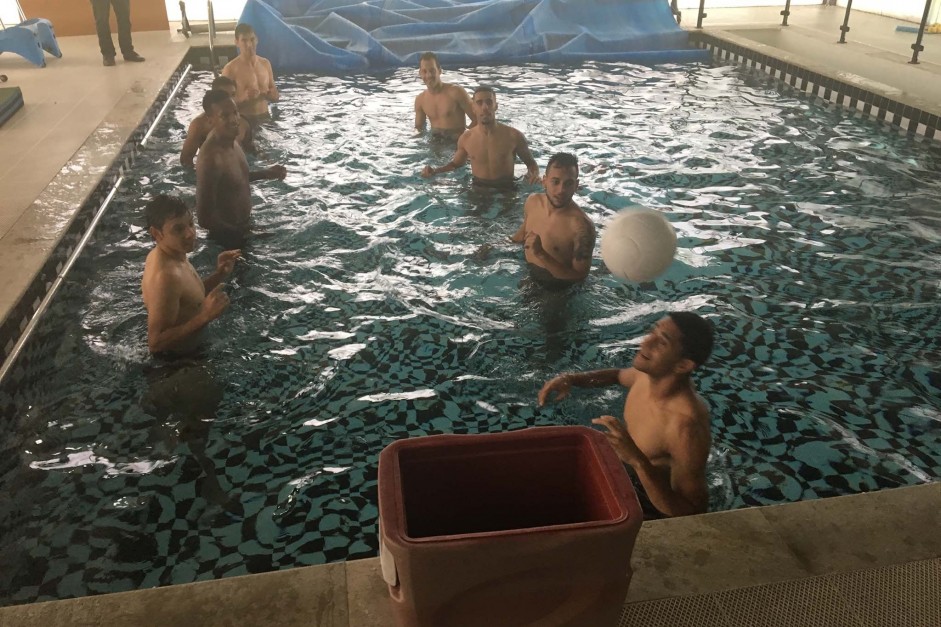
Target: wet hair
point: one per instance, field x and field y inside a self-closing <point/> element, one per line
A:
<point x="486" y="89"/>
<point x="164" y="207"/>
<point x="214" y="97"/>
<point x="429" y="56"/>
<point x="222" y="82"/>
<point x="243" y="29"/>
<point x="563" y="160"/>
<point x="696" y="335"/>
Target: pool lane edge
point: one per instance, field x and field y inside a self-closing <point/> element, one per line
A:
<point x="19" y="320"/>
<point x="903" y="113"/>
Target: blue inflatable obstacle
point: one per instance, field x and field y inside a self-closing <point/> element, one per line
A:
<point x="29" y="39"/>
<point x="333" y="36"/>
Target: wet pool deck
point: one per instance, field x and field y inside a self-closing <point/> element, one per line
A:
<point x="852" y="560"/>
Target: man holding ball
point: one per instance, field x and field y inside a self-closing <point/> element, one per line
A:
<point x="557" y="236"/>
<point x="664" y="437"/>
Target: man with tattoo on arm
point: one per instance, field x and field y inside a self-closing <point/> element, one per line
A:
<point x="664" y="437"/>
<point x="557" y="236"/>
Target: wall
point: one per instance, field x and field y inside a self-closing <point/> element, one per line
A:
<point x="74" y="17"/>
<point x="910" y="10"/>
<point x="198" y="10"/>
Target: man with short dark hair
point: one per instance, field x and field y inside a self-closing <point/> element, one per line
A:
<point x="179" y="303"/>
<point x="201" y="126"/>
<point x="253" y="76"/>
<point x="442" y="104"/>
<point x="491" y="147"/>
<point x="122" y="14"/>
<point x="223" y="197"/>
<point x="557" y="236"/>
<point x="664" y="438"/>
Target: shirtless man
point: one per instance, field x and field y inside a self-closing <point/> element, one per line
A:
<point x="491" y="147"/>
<point x="223" y="197"/>
<point x="664" y="438"/>
<point x="557" y="236"/>
<point x="253" y="76"/>
<point x="179" y="304"/>
<point x="200" y="127"/>
<point x="443" y="104"/>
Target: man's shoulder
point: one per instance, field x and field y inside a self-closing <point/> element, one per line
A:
<point x="536" y="200"/>
<point x="690" y="413"/>
<point x="211" y="148"/>
<point x="161" y="271"/>
<point x="578" y="216"/>
<point x="200" y="123"/>
<point x="508" y="131"/>
<point x="452" y="88"/>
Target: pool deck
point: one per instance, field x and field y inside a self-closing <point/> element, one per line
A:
<point x="871" y="559"/>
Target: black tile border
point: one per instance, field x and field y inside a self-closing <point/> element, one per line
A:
<point x="22" y="312"/>
<point x="906" y="119"/>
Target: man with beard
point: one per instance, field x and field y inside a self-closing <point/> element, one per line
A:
<point x="442" y="104"/>
<point x="664" y="437"/>
<point x="223" y="197"/>
<point x="491" y="147"/>
<point x="253" y="76"/>
<point x="557" y="236"/>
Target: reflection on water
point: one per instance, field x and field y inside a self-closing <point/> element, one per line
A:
<point x="374" y="305"/>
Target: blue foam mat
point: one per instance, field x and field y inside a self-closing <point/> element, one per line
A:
<point x="336" y="36"/>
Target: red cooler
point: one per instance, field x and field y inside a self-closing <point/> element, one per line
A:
<point x="531" y="528"/>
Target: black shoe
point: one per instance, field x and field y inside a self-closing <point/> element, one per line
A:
<point x="136" y="58"/>
<point x="107" y="61"/>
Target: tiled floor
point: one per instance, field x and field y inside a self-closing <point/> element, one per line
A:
<point x="719" y="569"/>
<point x="76" y="117"/>
<point x="843" y="561"/>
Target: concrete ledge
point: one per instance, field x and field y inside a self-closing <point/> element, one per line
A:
<point x="677" y="558"/>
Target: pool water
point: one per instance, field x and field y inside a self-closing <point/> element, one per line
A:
<point x="374" y="305"/>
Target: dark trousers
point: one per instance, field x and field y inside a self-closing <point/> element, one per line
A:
<point x="122" y="13"/>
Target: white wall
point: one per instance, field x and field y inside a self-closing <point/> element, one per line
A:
<point x="723" y="4"/>
<point x="198" y="10"/>
<point x="8" y="12"/>
<point x="911" y="10"/>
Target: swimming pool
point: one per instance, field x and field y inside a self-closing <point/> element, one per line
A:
<point x="365" y="312"/>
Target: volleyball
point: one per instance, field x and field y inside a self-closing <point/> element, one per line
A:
<point x="638" y="245"/>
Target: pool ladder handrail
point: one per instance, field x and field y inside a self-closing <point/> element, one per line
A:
<point x="212" y="38"/>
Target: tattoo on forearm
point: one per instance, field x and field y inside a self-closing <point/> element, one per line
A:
<point x="584" y="245"/>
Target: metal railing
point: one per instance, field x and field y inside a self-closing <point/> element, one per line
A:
<point x="917" y="47"/>
<point x="212" y="38"/>
<point x="186" y="29"/>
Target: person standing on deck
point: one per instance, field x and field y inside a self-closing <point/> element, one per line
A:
<point x="101" y="9"/>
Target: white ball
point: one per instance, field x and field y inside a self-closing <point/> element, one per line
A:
<point x="638" y="245"/>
